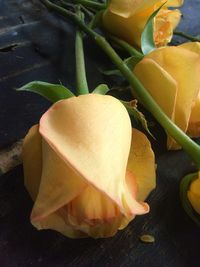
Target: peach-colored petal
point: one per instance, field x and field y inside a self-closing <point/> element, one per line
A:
<point x="126" y="8"/>
<point x="93" y="205"/>
<point x="92" y="134"/>
<point x="95" y="214"/>
<point x="194" y="194"/>
<point x="174" y="3"/>
<point x="141" y="163"/>
<point x="127" y="19"/>
<point x="165" y="23"/>
<point x="184" y="66"/>
<point x="55" y="221"/>
<point x="194" y="121"/>
<point x="159" y="83"/>
<point x="192" y="46"/>
<point x="128" y="29"/>
<point x="32" y="161"/>
<point x="59" y="184"/>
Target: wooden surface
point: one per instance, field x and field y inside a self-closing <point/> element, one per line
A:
<point x="37" y="46"/>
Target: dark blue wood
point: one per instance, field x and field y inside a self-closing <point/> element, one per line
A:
<point x="44" y="51"/>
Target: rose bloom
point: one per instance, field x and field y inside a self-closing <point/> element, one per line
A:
<point x="194" y="194"/>
<point x="172" y="77"/>
<point x="87" y="171"/>
<point x="126" y="19"/>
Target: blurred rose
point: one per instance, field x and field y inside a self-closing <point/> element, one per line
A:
<point x="194" y="194"/>
<point x="86" y="169"/>
<point x="172" y="76"/>
<point x="126" y="19"/>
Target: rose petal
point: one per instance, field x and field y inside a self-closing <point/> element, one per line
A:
<point x="95" y="214"/>
<point x="174" y="3"/>
<point x="194" y="121"/>
<point x="159" y="83"/>
<point x="59" y="184"/>
<point x="192" y="46"/>
<point x="92" y="204"/>
<point x="32" y="161"/>
<point x="166" y="21"/>
<point x="194" y="194"/>
<point x="127" y="8"/>
<point x="55" y="221"/>
<point x="141" y="163"/>
<point x="92" y="134"/>
<point x="184" y="66"/>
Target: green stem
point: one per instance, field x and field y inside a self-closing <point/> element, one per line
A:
<point x="189" y="37"/>
<point x="91" y="4"/>
<point x="81" y="80"/>
<point x="127" y="47"/>
<point x="137" y="88"/>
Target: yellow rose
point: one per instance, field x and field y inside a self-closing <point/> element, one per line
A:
<point x="86" y="169"/>
<point x="126" y="19"/>
<point x="194" y="194"/>
<point x="172" y="76"/>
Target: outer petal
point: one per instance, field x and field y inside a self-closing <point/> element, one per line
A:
<point x="194" y="122"/>
<point x="174" y="3"/>
<point x="92" y="134"/>
<point x="159" y="83"/>
<point x="59" y="185"/>
<point x="32" y="161"/>
<point x="184" y="66"/>
<point x="142" y="165"/>
<point x="56" y="221"/>
<point x="194" y="194"/>
<point x="192" y="46"/>
<point x="126" y="8"/>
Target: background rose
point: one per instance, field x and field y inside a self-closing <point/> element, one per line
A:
<point x="171" y="75"/>
<point x="126" y="19"/>
<point x="194" y="194"/>
<point x="85" y="168"/>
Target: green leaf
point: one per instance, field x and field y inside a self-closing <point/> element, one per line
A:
<point x="131" y="62"/>
<point x="184" y="187"/>
<point x="136" y="114"/>
<point x="147" y="38"/>
<point x="110" y="72"/>
<point x="101" y="89"/>
<point x="53" y="92"/>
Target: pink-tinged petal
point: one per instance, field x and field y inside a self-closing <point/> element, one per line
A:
<point x="32" y="161"/>
<point x="184" y="66"/>
<point x="92" y="205"/>
<point x="55" y="221"/>
<point x="95" y="214"/>
<point x="141" y="164"/>
<point x="92" y="134"/>
<point x="59" y="184"/>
